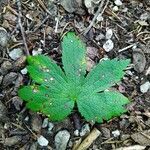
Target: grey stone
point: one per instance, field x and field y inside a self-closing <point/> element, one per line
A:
<point x="9" y="78"/>
<point x="145" y="87"/>
<point x="52" y="7"/>
<point x="118" y="2"/>
<point x="33" y="146"/>
<point x="108" y="45"/>
<point x="24" y="71"/>
<point x="17" y="102"/>
<point x="139" y="60"/>
<point x="5" y="67"/>
<point x="85" y="130"/>
<point x="105" y="132"/>
<point x="109" y="34"/>
<point x="144" y="16"/>
<point x="50" y="126"/>
<point x="116" y="133"/>
<point x="3" y="37"/>
<point x="73" y="6"/>
<point x="45" y="123"/>
<point x="19" y="63"/>
<point x="11" y="141"/>
<point x="3" y="113"/>
<point x="36" y="122"/>
<point x="15" y="53"/>
<point x="42" y="141"/>
<point x="125" y="137"/>
<point x="61" y="139"/>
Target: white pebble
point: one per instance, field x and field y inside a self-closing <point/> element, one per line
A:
<point x="76" y="132"/>
<point x="42" y="41"/>
<point x="6" y="126"/>
<point x="129" y="72"/>
<point x="26" y="118"/>
<point x="45" y="123"/>
<point x="116" y="133"/>
<point x="108" y="45"/>
<point x="100" y="37"/>
<point x="125" y="10"/>
<point x="100" y="17"/>
<point x="147" y="71"/>
<point x="88" y="3"/>
<point x="29" y="17"/>
<point x="16" y="53"/>
<point x="118" y="2"/>
<point x="145" y="87"/>
<point x="24" y="71"/>
<point x="50" y="126"/>
<point x="34" y="52"/>
<point x="85" y="129"/>
<point x="115" y="8"/>
<point x="42" y="141"/>
<point x="136" y="77"/>
<point x="37" y="52"/>
<point x="109" y="33"/>
<point x="144" y="16"/>
<point x="70" y="144"/>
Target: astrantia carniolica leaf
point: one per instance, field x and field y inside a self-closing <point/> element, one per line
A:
<point x="54" y="92"/>
<point x="73" y="57"/>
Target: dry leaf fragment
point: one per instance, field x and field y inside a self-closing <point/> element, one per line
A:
<point x="143" y="138"/>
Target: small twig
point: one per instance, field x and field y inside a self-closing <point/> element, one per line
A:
<point x="12" y="10"/>
<point x="99" y="12"/>
<point x="44" y="37"/>
<point x="15" y="29"/>
<point x="107" y="141"/>
<point x="120" y="26"/>
<point x="146" y="32"/>
<point x="45" y="19"/>
<point x="125" y="48"/>
<point x="44" y="7"/>
<point x="34" y="135"/>
<point x="1" y="58"/>
<point x="147" y="38"/>
<point x="18" y="126"/>
<point x="67" y="24"/>
<point x="16" y="45"/>
<point x="56" y="26"/>
<point x="21" y="27"/>
<point x="115" y="15"/>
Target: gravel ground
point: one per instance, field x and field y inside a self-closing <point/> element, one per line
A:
<point x="110" y="29"/>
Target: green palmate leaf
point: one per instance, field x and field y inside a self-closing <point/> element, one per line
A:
<point x="101" y="106"/>
<point x="40" y="99"/>
<point x="73" y="57"/>
<point x="43" y="70"/>
<point x="54" y="92"/>
<point x="106" y="74"/>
